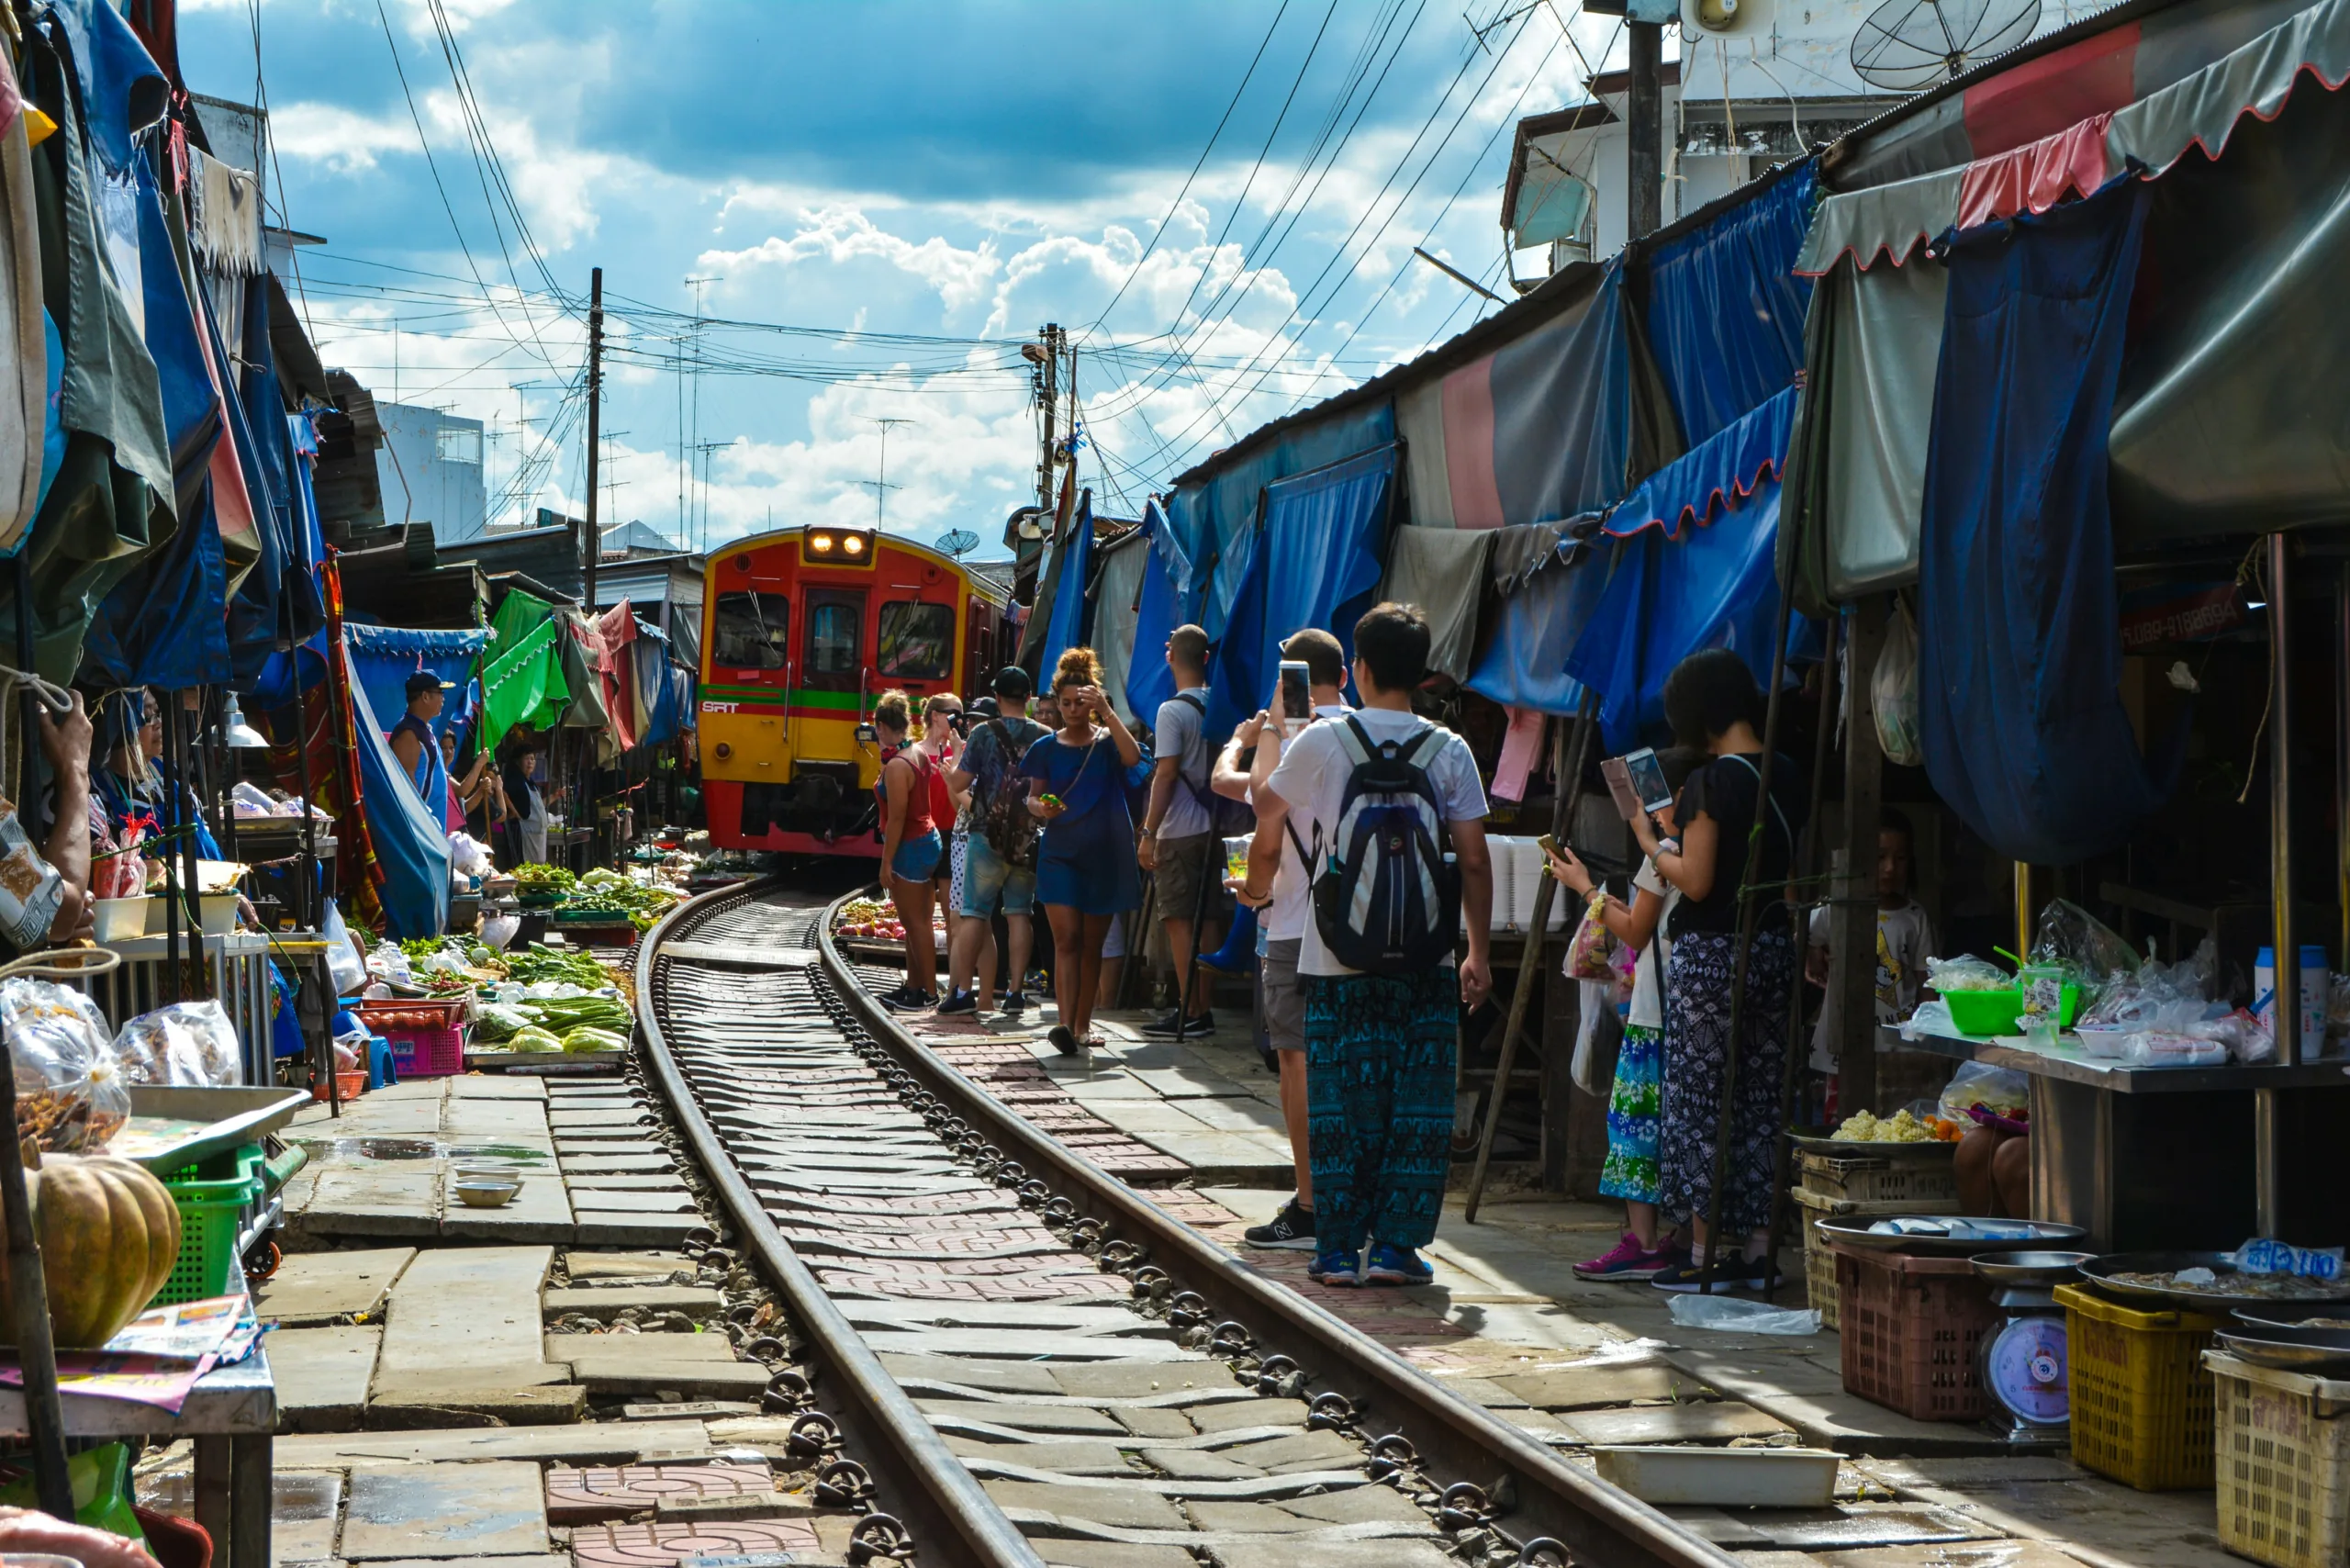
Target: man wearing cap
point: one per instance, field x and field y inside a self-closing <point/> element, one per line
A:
<point x="412" y="739"/>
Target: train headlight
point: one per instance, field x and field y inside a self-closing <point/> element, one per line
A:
<point x="853" y="546"/>
<point x="819" y="544"/>
<point x="839" y="546"/>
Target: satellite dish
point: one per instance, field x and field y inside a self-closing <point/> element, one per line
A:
<point x="1725" y="19"/>
<point x="958" y="542"/>
<point x="1907" y="46"/>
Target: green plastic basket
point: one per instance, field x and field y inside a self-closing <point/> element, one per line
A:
<point x="212" y="1198"/>
<point x="1996" y="1011"/>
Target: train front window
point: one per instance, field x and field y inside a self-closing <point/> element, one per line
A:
<point x="836" y="638"/>
<point x="751" y="631"/>
<point x="917" y="642"/>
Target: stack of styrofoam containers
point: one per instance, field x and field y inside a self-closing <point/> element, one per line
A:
<point x="1519" y="870"/>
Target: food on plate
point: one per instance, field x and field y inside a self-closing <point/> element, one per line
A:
<point x="1899" y="1127"/>
<point x="2204" y="1282"/>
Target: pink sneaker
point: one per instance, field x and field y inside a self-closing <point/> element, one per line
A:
<point x="1627" y="1260"/>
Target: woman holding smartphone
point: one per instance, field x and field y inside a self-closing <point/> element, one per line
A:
<point x="1086" y="870"/>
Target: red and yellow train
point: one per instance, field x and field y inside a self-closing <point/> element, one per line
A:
<point x="802" y="630"/>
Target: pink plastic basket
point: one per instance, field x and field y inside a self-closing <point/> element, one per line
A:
<point x="437" y="1052"/>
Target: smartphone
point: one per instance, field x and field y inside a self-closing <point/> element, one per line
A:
<point x="1549" y="845"/>
<point x="1296" y="695"/>
<point x="1648" y="779"/>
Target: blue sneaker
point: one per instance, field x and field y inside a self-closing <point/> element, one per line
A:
<point x="1332" y="1267"/>
<point x="1395" y="1266"/>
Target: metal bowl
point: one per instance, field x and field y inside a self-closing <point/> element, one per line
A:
<point x="2031" y="1268"/>
<point x="486" y="1195"/>
<point x="2294" y="1314"/>
<point x="2289" y="1349"/>
<point x="1855" y="1232"/>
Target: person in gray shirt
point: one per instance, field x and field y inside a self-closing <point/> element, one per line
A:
<point x="1178" y="840"/>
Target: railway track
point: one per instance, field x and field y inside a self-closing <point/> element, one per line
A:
<point x="1009" y="1352"/>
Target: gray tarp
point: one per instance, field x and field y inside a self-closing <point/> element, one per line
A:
<point x="1117" y="578"/>
<point x="1442" y="570"/>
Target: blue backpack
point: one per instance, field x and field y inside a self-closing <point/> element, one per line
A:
<point x="1386" y="901"/>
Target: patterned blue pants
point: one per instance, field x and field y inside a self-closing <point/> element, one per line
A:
<point x="1379" y="1095"/>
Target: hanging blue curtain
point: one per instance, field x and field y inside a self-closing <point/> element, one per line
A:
<point x="191" y="406"/>
<point x="1071" y="621"/>
<point x="2019" y="652"/>
<point x="1317" y="562"/>
<point x="383" y="657"/>
<point x="255" y="612"/>
<point x="1725" y="311"/>
<point x="411" y="842"/>
<point x="1159" y="611"/>
<point x="1524" y="661"/>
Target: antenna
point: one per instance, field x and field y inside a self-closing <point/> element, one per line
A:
<point x="958" y="543"/>
<point x="881" y="485"/>
<point x="1907" y="46"/>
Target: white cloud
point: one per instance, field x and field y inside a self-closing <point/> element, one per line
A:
<point x="841" y="234"/>
<point x="345" y="143"/>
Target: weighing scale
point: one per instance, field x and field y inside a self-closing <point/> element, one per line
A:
<point x="2023" y="1363"/>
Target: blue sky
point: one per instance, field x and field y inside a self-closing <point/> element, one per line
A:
<point x="937" y="178"/>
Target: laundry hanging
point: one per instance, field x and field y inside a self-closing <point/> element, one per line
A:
<point x="2019" y="701"/>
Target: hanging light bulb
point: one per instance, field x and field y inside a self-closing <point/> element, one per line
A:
<point x="238" y="734"/>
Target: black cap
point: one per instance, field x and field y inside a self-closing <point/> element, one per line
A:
<point x="1013" y="684"/>
<point x="424" y="681"/>
<point x="985" y="708"/>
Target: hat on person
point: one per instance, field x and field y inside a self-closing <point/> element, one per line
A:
<point x="424" y="681"/>
<point x="985" y="708"/>
<point x="1013" y="684"/>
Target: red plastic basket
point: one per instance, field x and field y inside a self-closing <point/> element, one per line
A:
<point x="1911" y="1329"/>
<point x="418" y="1052"/>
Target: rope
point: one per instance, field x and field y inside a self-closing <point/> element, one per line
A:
<point x="56" y="699"/>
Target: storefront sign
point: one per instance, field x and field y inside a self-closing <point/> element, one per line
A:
<point x="2180" y="613"/>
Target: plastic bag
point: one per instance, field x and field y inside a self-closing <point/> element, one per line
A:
<point x="1966" y="972"/>
<point x="498" y="930"/>
<point x="502" y="1021"/>
<point x="1590" y="955"/>
<point x="343" y="964"/>
<point x="2076" y="940"/>
<point x="469" y="856"/>
<point x="2001" y="1091"/>
<point x="1892" y="692"/>
<point x="1730" y="1314"/>
<point x="189" y="1045"/>
<point x="70" y="1098"/>
<point x="30" y="888"/>
<point x="2156" y="1048"/>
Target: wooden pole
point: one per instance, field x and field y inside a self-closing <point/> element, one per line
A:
<point x="1852" y="905"/>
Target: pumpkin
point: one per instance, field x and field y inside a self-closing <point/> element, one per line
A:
<point x="110" y="1234"/>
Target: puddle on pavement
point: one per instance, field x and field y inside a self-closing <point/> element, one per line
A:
<point x="395" y="1150"/>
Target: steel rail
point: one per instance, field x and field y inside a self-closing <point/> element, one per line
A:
<point x="1537" y="1493"/>
<point x="940" y="1502"/>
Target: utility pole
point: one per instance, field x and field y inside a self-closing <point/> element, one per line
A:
<point x="593" y="545"/>
<point x="1644" y="124"/>
<point x="1044" y="357"/>
<point x="692" y="443"/>
<point x="882" y="486"/>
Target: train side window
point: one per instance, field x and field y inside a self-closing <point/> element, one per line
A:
<point x="917" y="641"/>
<point x="751" y="631"/>
<point x="836" y="638"/>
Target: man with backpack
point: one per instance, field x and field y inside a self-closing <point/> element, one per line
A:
<point x="1000" y="857"/>
<point x="1179" y="839"/>
<point x="1384" y="789"/>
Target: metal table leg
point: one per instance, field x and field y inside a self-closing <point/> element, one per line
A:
<point x="251" y="1487"/>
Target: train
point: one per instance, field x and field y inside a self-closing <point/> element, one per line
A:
<point x="803" y="629"/>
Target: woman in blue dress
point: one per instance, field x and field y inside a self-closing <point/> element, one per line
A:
<point x="1086" y="871"/>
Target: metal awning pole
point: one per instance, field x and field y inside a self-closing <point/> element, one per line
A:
<point x="2268" y="1184"/>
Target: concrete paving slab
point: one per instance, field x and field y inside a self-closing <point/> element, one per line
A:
<point x="577" y="1496"/>
<point x="594" y="1200"/>
<point x="604" y="1302"/>
<point x="641" y="1374"/>
<point x="547" y="1559"/>
<point x="1706" y="1423"/>
<point x="1112" y="1380"/>
<point x="453" y="1510"/>
<point x="1103" y="1504"/>
<point x="662" y="1347"/>
<point x="315" y="1287"/>
<point x="1068" y="1418"/>
<point x="996" y="1377"/>
<point x="1241" y="1413"/>
<point x="1117" y="1554"/>
<point x="304" y="1509"/>
<point x="1359" y="1505"/>
<point x="1583" y="1388"/>
<point x="467" y="1315"/>
<point x="640" y="1266"/>
<point x="663" y="1545"/>
<point x="614" y="1443"/>
<point x="538" y="1212"/>
<point x="1404" y="1553"/>
<point x="617" y="1164"/>
<point x="609" y="1228"/>
<point x="1198" y="1464"/>
<point x="322" y="1375"/>
<point x="426" y="1406"/>
<point x="1154" y="1424"/>
<point x="1307" y="1451"/>
<point x="1005" y="1342"/>
<point x="368" y="1200"/>
<point x="623" y="1181"/>
<point x="1072" y="1456"/>
<point x="1810" y="1529"/>
<point x="571" y="1146"/>
<point x="482" y="1086"/>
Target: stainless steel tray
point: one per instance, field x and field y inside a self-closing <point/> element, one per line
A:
<point x="2030" y="1268"/>
<point x="2100" y="1271"/>
<point x="1855" y="1231"/>
<point x="212" y="1120"/>
<point x="1846" y="1148"/>
<point x="2288" y="1350"/>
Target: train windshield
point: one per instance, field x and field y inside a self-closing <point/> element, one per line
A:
<point x="917" y="642"/>
<point x="751" y="631"/>
<point x="836" y="636"/>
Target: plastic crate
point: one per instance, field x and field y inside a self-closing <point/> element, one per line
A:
<point x="1820" y="1262"/>
<point x="1892" y="1178"/>
<point x="212" y="1199"/>
<point x="437" y="1052"/>
<point x="2142" y="1398"/>
<point x="2282" y="1443"/>
<point x="1911" y="1329"/>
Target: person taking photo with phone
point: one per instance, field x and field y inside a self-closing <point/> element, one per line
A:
<point x="1086" y="874"/>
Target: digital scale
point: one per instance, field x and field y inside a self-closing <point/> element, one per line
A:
<point x="2023" y="1363"/>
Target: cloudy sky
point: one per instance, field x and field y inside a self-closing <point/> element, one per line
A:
<point x="1219" y="200"/>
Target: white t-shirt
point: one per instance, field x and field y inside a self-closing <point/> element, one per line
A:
<point x="1905" y="936"/>
<point x="1286" y="919"/>
<point x="1647" y="1010"/>
<point x="1311" y="778"/>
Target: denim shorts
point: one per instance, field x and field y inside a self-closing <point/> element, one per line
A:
<point x="917" y="859"/>
<point x="988" y="882"/>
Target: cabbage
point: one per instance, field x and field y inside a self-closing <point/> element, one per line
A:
<point x="532" y="1038"/>
<point x="586" y="1037"/>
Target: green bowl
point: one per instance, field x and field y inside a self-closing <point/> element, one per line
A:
<point x="1981" y="1013"/>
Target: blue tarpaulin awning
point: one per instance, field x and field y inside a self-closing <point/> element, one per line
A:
<point x="383" y="657"/>
<point x="411" y="843"/>
<point x="1317" y="562"/>
<point x="1726" y="311"/>
<point x="1158" y="609"/>
<point x="1524" y="661"/>
<point x="1069" y="621"/>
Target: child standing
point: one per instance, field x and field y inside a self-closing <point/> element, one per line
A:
<point x="1905" y="937"/>
<point x="1635" y="1102"/>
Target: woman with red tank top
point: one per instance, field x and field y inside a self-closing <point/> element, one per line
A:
<point x="911" y="846"/>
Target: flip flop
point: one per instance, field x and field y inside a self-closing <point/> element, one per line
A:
<point x="1064" y="1040"/>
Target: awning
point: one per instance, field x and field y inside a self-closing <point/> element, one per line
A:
<point x="522" y="679"/>
<point x="411" y="844"/>
<point x="1117" y="578"/>
<point x="1724" y="315"/>
<point x="2201" y="110"/>
<point x="1158" y="609"/>
<point x="1316" y="563"/>
<point x="381" y="658"/>
<point x="1442" y="570"/>
<point x="1524" y="661"/>
<point x="1069" y="618"/>
<point x="1723" y="472"/>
